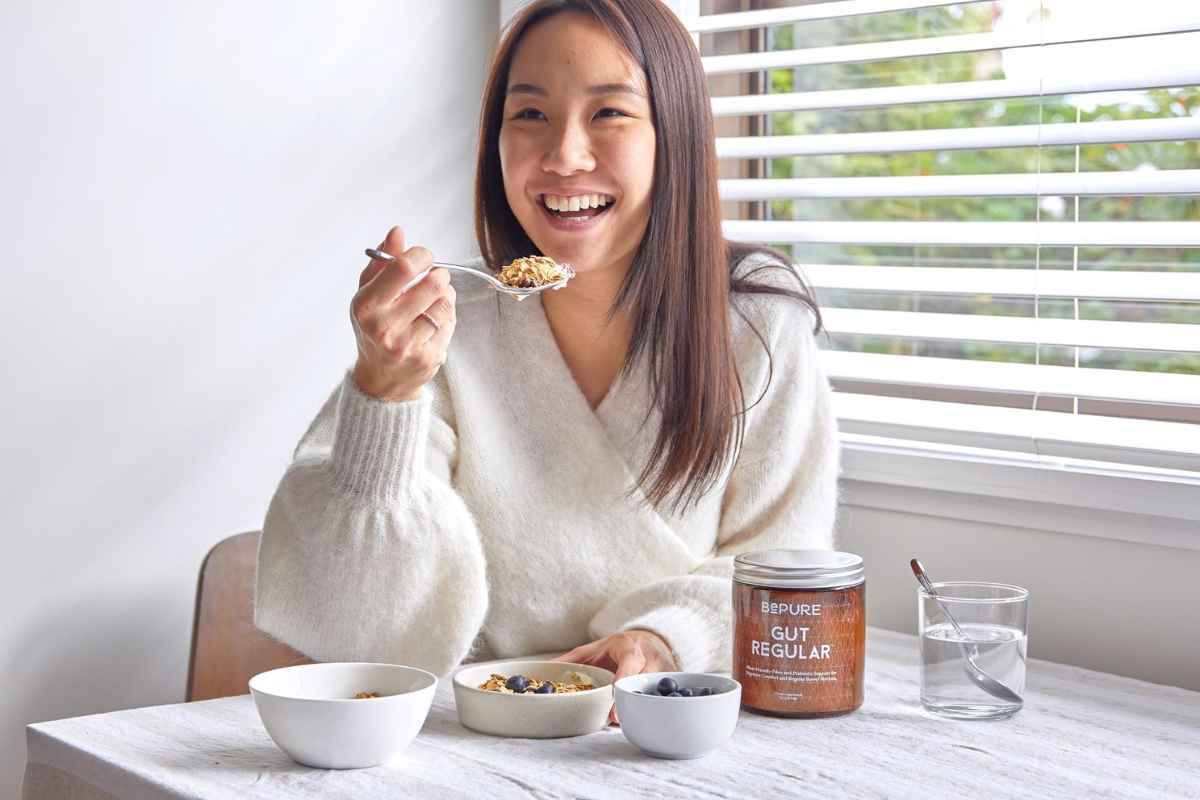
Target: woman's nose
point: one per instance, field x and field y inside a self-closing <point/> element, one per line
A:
<point x="569" y="150"/>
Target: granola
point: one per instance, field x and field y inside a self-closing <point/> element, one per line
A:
<point x="500" y="683"/>
<point x="533" y="271"/>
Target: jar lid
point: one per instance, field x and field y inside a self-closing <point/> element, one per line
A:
<point x="799" y="569"/>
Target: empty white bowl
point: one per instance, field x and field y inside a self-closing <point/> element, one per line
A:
<point x="310" y="711"/>
<point x="678" y="727"/>
<point x="534" y="716"/>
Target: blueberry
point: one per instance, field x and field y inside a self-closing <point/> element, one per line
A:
<point x="705" y="692"/>
<point x="674" y="694"/>
<point x="517" y="683"/>
<point x="545" y="688"/>
<point x="685" y="692"/>
<point x="666" y="686"/>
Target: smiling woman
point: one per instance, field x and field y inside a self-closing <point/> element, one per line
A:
<point x="659" y="415"/>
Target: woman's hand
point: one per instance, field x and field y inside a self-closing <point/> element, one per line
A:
<point x="626" y="653"/>
<point x="399" y="348"/>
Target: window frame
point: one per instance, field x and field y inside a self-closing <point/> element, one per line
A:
<point x="1023" y="491"/>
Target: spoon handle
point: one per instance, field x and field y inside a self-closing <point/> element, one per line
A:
<point x="919" y="571"/>
<point x="475" y="272"/>
<point x="382" y="256"/>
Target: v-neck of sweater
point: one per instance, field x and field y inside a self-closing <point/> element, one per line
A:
<point x="618" y="403"/>
<point x="507" y="367"/>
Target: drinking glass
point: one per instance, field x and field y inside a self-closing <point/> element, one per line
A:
<point x="995" y="620"/>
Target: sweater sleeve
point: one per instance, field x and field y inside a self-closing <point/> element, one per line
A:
<point x="781" y="493"/>
<point x="367" y="553"/>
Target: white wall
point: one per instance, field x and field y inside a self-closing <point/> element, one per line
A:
<point x="185" y="193"/>
<point x="508" y="8"/>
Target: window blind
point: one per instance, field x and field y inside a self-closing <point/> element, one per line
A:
<point x="995" y="202"/>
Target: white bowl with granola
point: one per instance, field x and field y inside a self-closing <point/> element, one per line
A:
<point x="533" y="699"/>
<point x="343" y="715"/>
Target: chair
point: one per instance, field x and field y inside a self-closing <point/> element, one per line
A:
<point x="227" y="650"/>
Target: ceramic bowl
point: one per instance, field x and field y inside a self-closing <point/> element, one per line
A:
<point x="310" y="711"/>
<point x="678" y="727"/>
<point x="534" y="716"/>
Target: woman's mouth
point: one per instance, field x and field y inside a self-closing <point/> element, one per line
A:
<point x="577" y="208"/>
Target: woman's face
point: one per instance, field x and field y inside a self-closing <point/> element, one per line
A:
<point x="577" y="144"/>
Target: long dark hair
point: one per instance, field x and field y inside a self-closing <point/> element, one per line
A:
<point x="678" y="288"/>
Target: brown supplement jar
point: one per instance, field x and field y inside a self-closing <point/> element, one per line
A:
<point x="799" y="631"/>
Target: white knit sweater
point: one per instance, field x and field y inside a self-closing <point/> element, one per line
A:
<point x="487" y="518"/>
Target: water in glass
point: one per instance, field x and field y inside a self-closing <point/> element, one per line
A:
<point x="996" y="649"/>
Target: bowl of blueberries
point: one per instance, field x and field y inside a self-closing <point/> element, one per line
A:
<point x="678" y="714"/>
<point x="533" y="699"/>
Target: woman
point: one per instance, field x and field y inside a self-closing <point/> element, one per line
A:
<point x="574" y="472"/>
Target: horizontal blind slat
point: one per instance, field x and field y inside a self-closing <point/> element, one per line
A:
<point x="995" y="376"/>
<point x="765" y="18"/>
<point x="1186" y="22"/>
<point x="970" y="234"/>
<point x="875" y="97"/>
<point x="1084" y="284"/>
<point x="1169" y="445"/>
<point x="1147" y="130"/>
<point x="1161" y="336"/>
<point x="1136" y="182"/>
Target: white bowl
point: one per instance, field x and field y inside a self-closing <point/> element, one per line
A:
<point x="534" y="716"/>
<point x="310" y="711"/>
<point x="678" y="727"/>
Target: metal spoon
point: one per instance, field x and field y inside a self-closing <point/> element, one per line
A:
<point x="976" y="675"/>
<point x="515" y="291"/>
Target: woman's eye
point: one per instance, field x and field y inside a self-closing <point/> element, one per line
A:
<point x="529" y="113"/>
<point x="609" y="112"/>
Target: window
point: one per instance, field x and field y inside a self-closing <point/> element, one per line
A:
<point x="996" y="204"/>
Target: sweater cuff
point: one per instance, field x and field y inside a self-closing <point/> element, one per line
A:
<point x="379" y="445"/>
<point x="690" y="632"/>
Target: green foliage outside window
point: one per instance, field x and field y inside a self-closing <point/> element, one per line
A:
<point x="976" y="18"/>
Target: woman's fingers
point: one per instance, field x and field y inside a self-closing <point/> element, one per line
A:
<point x="659" y="656"/>
<point x="582" y="654"/>
<point x="439" y="337"/>
<point x="394" y="282"/>
<point x="443" y="308"/>
<point x="627" y="653"/>
<point x="382" y="306"/>
<point x="420" y="297"/>
<point x="603" y="653"/>
<point x="631" y="660"/>
<point x="404" y="316"/>
<point x="392" y="244"/>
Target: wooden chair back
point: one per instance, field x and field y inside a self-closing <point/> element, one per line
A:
<point x="227" y="650"/>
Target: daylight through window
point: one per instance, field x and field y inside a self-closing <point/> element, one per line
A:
<point x="995" y="202"/>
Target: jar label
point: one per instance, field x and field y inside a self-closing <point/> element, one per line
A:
<point x="799" y="652"/>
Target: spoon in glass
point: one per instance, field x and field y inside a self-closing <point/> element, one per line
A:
<point x="516" y="291"/>
<point x="976" y="675"/>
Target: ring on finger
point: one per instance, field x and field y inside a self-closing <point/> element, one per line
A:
<point x="429" y="317"/>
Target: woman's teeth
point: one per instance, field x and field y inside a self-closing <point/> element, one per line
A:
<point x="579" y="202"/>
